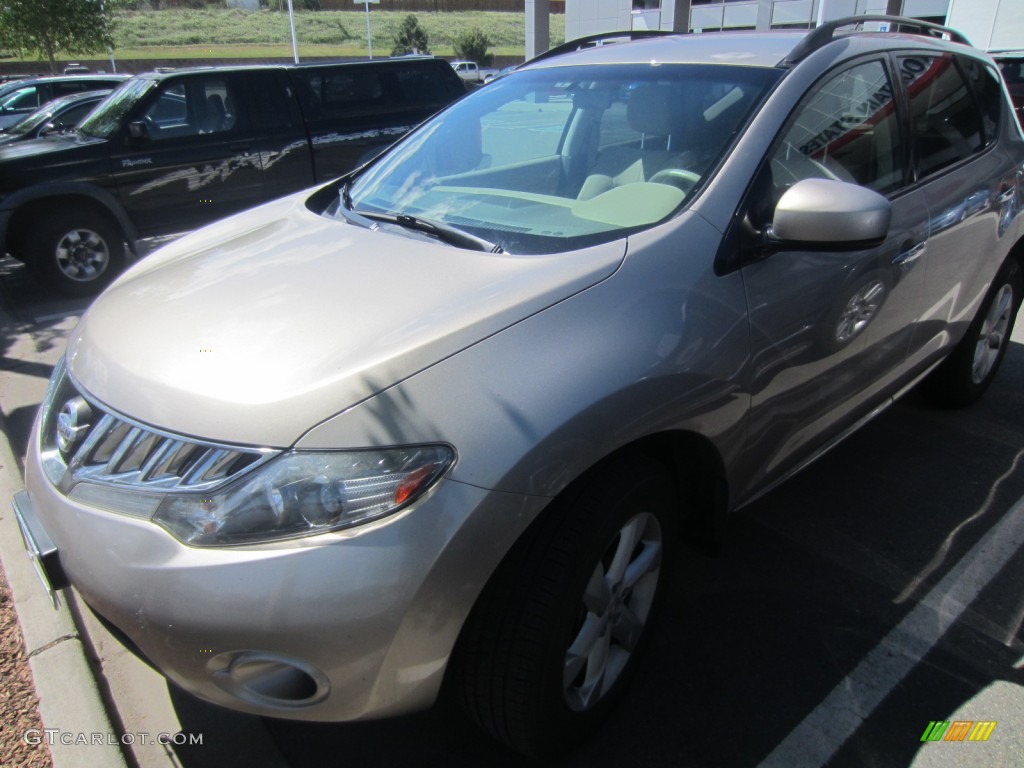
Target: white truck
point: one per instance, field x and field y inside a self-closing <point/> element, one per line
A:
<point x="471" y="72"/>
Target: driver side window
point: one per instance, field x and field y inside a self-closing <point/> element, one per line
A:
<point x="847" y="129"/>
<point x="192" y="108"/>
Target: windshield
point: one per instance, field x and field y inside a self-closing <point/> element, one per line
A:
<point x="31" y="122"/>
<point x="555" y="159"/>
<point x="109" y="116"/>
<point x="38" y="117"/>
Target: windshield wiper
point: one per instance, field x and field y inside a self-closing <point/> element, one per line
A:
<point x="445" y="232"/>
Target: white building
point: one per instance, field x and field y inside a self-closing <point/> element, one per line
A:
<point x="990" y="24"/>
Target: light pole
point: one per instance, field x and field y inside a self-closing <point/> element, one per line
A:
<point x="369" y="37"/>
<point x="110" y="51"/>
<point x="291" y="23"/>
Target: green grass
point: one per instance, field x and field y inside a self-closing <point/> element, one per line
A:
<point x="233" y="33"/>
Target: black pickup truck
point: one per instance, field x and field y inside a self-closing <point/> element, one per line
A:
<point x="168" y="152"/>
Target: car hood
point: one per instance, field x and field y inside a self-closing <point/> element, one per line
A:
<point x="257" y="328"/>
<point x="30" y="151"/>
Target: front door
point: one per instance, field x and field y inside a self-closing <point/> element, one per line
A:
<point x="198" y="161"/>
<point x="831" y="329"/>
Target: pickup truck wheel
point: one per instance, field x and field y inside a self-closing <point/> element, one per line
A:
<point x="77" y="252"/>
<point x="965" y="375"/>
<point x="554" y="639"/>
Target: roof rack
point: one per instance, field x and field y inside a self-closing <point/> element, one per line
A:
<point x="825" y="34"/>
<point x="591" y="41"/>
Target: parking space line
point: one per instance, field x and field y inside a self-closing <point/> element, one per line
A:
<point x="825" y="729"/>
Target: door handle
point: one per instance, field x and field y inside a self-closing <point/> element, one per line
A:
<point x="909" y="254"/>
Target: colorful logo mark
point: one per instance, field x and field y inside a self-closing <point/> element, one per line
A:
<point x="959" y="730"/>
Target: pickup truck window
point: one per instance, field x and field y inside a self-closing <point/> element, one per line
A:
<point x="371" y="90"/>
<point x="192" y="107"/>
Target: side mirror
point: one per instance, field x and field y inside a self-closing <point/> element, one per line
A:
<point x="49" y="129"/>
<point x="138" y="131"/>
<point x="832" y="213"/>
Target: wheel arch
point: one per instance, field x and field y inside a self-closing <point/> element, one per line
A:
<point x="1017" y="253"/>
<point x="698" y="473"/>
<point x="25" y="206"/>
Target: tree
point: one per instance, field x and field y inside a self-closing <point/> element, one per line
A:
<point x="472" y="45"/>
<point x="410" y="38"/>
<point x="48" y="27"/>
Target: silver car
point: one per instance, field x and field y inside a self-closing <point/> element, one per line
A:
<point x="446" y="419"/>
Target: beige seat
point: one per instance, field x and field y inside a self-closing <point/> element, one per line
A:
<point x="652" y="112"/>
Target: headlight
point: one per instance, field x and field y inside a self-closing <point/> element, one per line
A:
<point x="299" y="494"/>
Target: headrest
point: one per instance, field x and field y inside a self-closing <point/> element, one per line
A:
<point x="650" y="110"/>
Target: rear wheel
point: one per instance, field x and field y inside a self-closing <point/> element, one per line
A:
<point x="966" y="373"/>
<point x="555" y="638"/>
<point x="77" y="252"/>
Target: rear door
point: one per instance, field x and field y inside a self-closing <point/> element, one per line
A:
<point x="200" y="160"/>
<point x="284" y="147"/>
<point x="957" y="111"/>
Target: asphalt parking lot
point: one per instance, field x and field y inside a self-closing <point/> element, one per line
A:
<point x="877" y="592"/>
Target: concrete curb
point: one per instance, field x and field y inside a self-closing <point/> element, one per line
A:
<point x="70" y="703"/>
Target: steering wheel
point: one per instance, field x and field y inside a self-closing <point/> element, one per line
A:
<point x="676" y="177"/>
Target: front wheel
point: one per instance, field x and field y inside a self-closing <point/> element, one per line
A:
<point x="966" y="373"/>
<point x="556" y="635"/>
<point x="77" y="252"/>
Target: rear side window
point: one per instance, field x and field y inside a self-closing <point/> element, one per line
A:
<point x="427" y="86"/>
<point x="355" y="91"/>
<point x="22" y="99"/>
<point x="944" y="116"/>
<point x="73" y="86"/>
<point x="984" y="81"/>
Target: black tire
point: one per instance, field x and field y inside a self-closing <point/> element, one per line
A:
<point x="965" y="375"/>
<point x="76" y="252"/>
<point x="517" y="644"/>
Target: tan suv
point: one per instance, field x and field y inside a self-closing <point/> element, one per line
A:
<point x="444" y="419"/>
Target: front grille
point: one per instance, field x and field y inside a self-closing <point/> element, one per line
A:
<point x="96" y="445"/>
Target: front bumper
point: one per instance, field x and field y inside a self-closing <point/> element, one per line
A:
<point x="343" y="626"/>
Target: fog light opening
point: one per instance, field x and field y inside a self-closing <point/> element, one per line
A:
<point x="269" y="680"/>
